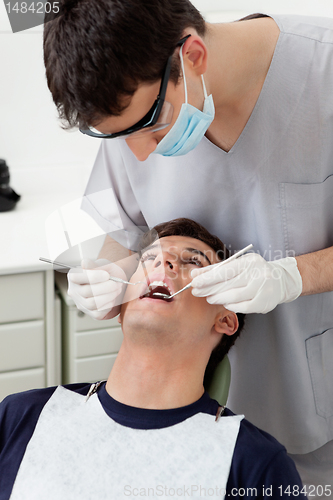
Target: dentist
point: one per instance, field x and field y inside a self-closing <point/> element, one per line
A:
<point x="249" y="158"/>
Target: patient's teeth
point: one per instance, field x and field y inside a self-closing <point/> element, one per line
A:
<point x="160" y="283"/>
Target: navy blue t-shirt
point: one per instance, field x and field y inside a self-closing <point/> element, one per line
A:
<point x="260" y="466"/>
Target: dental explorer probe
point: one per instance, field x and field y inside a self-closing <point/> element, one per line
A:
<point x="233" y="257"/>
<point x="163" y="295"/>
<point x="112" y="278"/>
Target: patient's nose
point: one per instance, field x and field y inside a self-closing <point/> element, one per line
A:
<point x="159" y="261"/>
<point x="164" y="259"/>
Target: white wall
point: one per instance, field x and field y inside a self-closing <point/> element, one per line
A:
<point x="31" y="140"/>
<point x="305" y="7"/>
<point x="41" y="155"/>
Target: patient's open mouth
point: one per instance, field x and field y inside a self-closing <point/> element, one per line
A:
<point x="158" y="290"/>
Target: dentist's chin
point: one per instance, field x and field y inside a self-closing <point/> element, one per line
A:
<point x="142" y="150"/>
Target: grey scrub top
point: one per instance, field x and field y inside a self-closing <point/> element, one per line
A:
<point x="274" y="189"/>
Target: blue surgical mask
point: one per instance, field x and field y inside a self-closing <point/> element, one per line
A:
<point x="190" y="126"/>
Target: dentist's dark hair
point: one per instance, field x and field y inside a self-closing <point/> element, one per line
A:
<point x="97" y="52"/>
<point x="192" y="229"/>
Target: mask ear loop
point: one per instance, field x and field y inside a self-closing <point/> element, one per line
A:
<point x="204" y="87"/>
<point x="183" y="70"/>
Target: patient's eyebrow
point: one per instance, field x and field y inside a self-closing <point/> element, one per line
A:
<point x="195" y="250"/>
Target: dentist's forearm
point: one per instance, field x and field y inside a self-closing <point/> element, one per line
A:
<point x="316" y="270"/>
<point x="112" y="249"/>
<point x="115" y="252"/>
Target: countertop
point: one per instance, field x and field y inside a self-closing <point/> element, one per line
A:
<point x="24" y="234"/>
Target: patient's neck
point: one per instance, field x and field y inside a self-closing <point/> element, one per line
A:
<point x="150" y="378"/>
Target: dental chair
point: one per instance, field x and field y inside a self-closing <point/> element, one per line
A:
<point x="219" y="386"/>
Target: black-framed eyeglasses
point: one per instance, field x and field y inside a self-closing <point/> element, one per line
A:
<point x="158" y="117"/>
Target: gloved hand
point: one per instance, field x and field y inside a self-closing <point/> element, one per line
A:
<point x="92" y="290"/>
<point x="249" y="284"/>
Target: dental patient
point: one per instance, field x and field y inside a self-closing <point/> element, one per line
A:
<point x="151" y="430"/>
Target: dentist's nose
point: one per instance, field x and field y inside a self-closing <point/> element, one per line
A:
<point x="142" y="146"/>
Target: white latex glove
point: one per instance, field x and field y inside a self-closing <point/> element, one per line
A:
<point x="249" y="284"/>
<point x="92" y="290"/>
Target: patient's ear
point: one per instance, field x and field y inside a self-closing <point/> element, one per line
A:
<point x="226" y="322"/>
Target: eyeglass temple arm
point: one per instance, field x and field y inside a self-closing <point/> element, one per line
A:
<point x="165" y="77"/>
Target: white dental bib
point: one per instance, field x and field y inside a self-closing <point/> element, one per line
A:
<point x="78" y="452"/>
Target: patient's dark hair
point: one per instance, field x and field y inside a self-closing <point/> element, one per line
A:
<point x="192" y="229"/>
<point x="97" y="52"/>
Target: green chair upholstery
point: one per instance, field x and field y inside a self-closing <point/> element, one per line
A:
<point x="219" y="386"/>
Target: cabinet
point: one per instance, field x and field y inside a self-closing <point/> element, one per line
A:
<point x="29" y="332"/>
<point x="89" y="347"/>
<point x="30" y="336"/>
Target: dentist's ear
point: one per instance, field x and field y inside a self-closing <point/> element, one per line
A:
<point x="226" y="322"/>
<point x="195" y="53"/>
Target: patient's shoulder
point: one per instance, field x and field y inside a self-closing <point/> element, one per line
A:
<point x="25" y="401"/>
<point x="251" y="437"/>
<point x="260" y="459"/>
<point x="23" y="409"/>
<point x="19" y="414"/>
